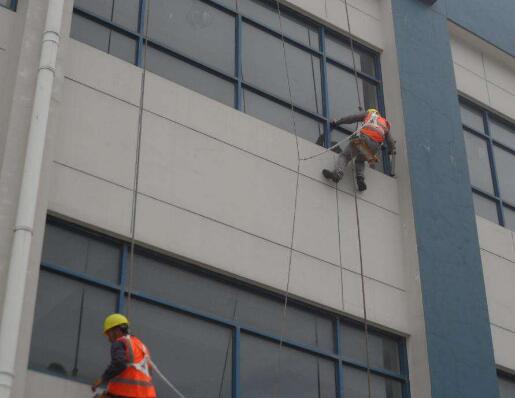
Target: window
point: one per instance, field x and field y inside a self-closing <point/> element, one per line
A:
<point x="11" y="4"/>
<point x="490" y="145"/>
<point x="216" y="337"/>
<point x="506" y="385"/>
<point x="232" y="51"/>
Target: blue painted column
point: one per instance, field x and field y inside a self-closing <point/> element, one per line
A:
<point x="459" y="340"/>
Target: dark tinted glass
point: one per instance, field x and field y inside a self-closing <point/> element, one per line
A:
<point x="355" y="385"/>
<point x="122" y="12"/>
<point x="502" y="133"/>
<point x="196" y="354"/>
<point x="340" y="51"/>
<point x="102" y="38"/>
<point x="196" y="29"/>
<point x="67" y="338"/>
<point x="472" y="118"/>
<point x="383" y="350"/>
<point x="5" y="3"/>
<point x="266" y="13"/>
<point x="189" y="76"/>
<point x="505" y="166"/>
<point x="280" y="116"/>
<point x="478" y="162"/>
<point x="178" y="286"/>
<point x="506" y="387"/>
<point x="509" y="218"/>
<point x="264" y="67"/>
<point x="485" y="208"/>
<point x="80" y="253"/>
<point x="343" y="96"/>
<point x="297" y="374"/>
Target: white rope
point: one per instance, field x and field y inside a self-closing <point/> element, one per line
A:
<point x="167" y="382"/>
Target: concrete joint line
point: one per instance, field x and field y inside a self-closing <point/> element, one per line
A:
<point x="22" y="228"/>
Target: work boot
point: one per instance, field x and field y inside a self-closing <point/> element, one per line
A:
<point x="331" y="175"/>
<point x="361" y="183"/>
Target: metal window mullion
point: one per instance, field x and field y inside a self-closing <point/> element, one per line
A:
<point x="239" y="64"/>
<point x="123" y="277"/>
<point x="404" y="367"/>
<point x="236" y="362"/>
<point x="78" y="276"/>
<point x="339" y="366"/>
<point x="141" y="29"/>
<point x="325" y="89"/>
<point x="493" y="170"/>
<point x="349" y="69"/>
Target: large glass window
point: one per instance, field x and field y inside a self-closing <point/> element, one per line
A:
<point x="232" y="51"/>
<point x="506" y="385"/>
<point x="213" y="336"/>
<point x="490" y="145"/>
<point x="8" y="3"/>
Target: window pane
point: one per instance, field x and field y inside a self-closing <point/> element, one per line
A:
<point x="122" y="47"/>
<point x="485" y="208"/>
<point x="263" y="66"/>
<point x="5" y="3"/>
<point x="506" y="387"/>
<point x="196" y="354"/>
<point x="509" y="218"/>
<point x="63" y="307"/>
<point x="299" y="374"/>
<point x="280" y="116"/>
<point x="383" y="351"/>
<point x="122" y="12"/>
<point x="505" y="167"/>
<point x="479" y="165"/>
<point x="340" y="51"/>
<point x="502" y="133"/>
<point x="179" y="286"/>
<point x="355" y="385"/>
<point x="343" y="97"/>
<point x="102" y="38"/>
<point x="196" y="29"/>
<point x="472" y="118"/>
<point x="292" y="27"/>
<point x="189" y="76"/>
<point x="76" y="252"/>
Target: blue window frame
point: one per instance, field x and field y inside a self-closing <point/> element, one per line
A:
<point x="207" y="331"/>
<point x="11" y="4"/>
<point x="231" y="50"/>
<point x="490" y="144"/>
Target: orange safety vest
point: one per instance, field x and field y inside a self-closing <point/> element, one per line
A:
<point x="135" y="381"/>
<point x="375" y="126"/>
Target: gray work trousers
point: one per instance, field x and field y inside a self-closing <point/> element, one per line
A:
<point x="350" y="152"/>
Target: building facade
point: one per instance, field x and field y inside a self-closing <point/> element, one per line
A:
<point x="176" y="186"/>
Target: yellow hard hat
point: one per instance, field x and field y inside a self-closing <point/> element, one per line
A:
<point x="115" y="320"/>
<point x="372" y="110"/>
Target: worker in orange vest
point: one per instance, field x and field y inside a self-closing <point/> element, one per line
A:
<point x="128" y="374"/>
<point x="364" y="145"/>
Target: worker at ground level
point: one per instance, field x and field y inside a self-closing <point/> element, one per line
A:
<point x="128" y="374"/>
<point x="372" y="134"/>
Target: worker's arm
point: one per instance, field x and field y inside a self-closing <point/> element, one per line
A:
<point x="359" y="117"/>
<point x="118" y="362"/>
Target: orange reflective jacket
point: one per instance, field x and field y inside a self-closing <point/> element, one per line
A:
<point x="375" y="126"/>
<point x="135" y="381"/>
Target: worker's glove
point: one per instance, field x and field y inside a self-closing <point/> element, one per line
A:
<point x="96" y="384"/>
<point x="333" y="124"/>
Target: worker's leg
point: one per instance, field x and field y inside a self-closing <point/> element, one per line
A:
<point x="343" y="160"/>
<point x="360" y="162"/>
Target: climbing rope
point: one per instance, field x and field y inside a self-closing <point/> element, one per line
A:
<point x="135" y="195"/>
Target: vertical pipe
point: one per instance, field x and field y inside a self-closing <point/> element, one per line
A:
<point x="25" y="216"/>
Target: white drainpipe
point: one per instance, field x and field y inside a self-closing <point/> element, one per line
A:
<point x="10" y="323"/>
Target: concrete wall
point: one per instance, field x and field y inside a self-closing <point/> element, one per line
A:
<point x="217" y="187"/>
<point x="487" y="75"/>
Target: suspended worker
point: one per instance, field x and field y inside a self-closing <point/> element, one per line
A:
<point x="128" y="374"/>
<point x="363" y="145"/>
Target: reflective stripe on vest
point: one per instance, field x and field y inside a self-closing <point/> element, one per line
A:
<point x="375" y="126"/>
<point x="135" y="381"/>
